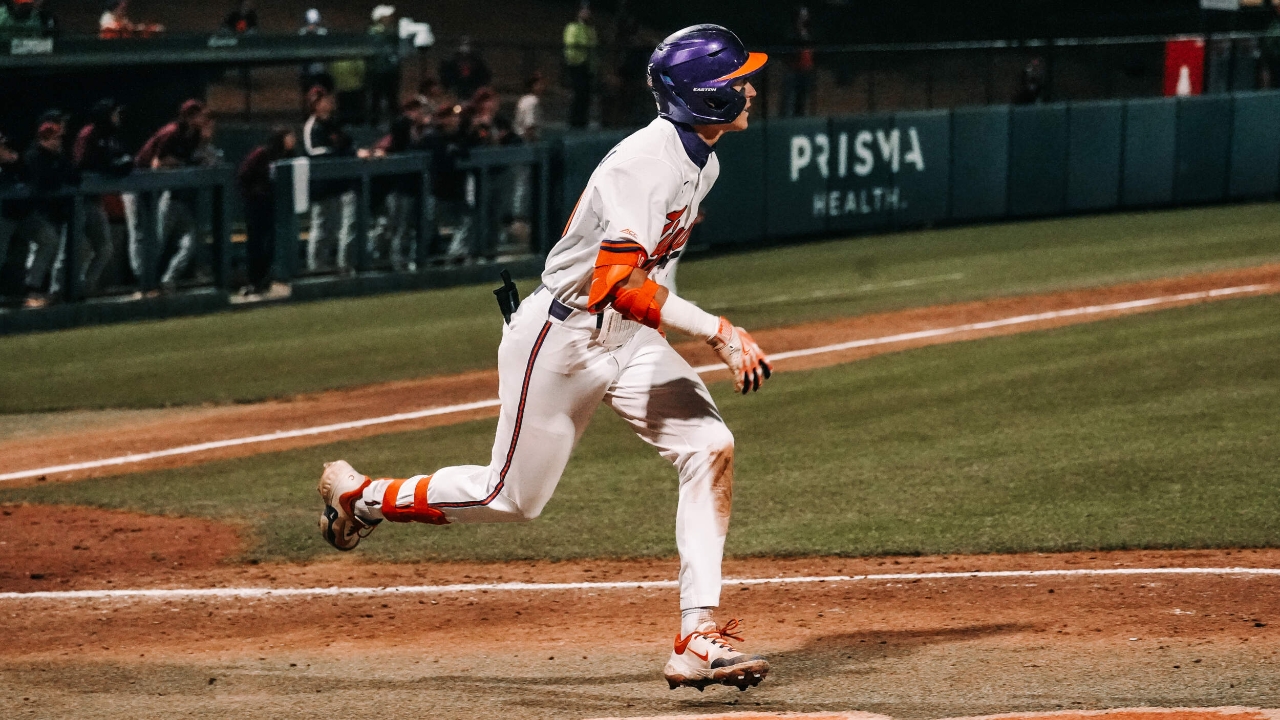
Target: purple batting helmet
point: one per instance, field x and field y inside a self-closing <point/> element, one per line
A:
<point x="693" y="71"/>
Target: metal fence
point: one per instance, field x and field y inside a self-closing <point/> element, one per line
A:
<point x="406" y="212"/>
<point x="171" y="232"/>
<point x="166" y="225"/>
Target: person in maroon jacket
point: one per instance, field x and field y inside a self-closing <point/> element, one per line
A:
<point x="47" y="170"/>
<point x="98" y="150"/>
<point x="259" y="204"/>
<point x="396" y="196"/>
<point x="175" y="145"/>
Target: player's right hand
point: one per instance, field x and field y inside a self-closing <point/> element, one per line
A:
<point x="748" y="363"/>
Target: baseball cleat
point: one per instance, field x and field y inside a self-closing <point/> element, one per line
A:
<point x="705" y="657"/>
<point x="340" y="487"/>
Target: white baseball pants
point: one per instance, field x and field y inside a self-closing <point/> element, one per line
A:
<point x="330" y="214"/>
<point x="552" y="376"/>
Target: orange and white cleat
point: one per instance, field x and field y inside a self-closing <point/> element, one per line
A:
<point x="705" y="657"/>
<point x="341" y="486"/>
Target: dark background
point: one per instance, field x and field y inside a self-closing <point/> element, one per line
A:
<point x="835" y="21"/>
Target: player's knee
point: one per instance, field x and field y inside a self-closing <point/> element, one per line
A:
<point x="718" y="440"/>
<point x="527" y="509"/>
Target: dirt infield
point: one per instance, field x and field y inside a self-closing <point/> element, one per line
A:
<point x="870" y="649"/>
<point x="1228" y="713"/>
<point x="928" y="648"/>
<point x="65" y="547"/>
<point x="80" y="438"/>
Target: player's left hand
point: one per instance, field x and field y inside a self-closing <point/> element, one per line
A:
<point x="738" y="350"/>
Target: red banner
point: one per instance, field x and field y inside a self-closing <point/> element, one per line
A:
<point x="1184" y="67"/>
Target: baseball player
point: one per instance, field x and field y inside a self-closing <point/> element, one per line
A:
<point x="593" y="332"/>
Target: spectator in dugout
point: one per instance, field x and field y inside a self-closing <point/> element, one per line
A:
<point x="528" y="120"/>
<point x="115" y="23"/>
<point x="580" y="44"/>
<point x="384" y="69"/>
<point x="433" y="96"/>
<point x="98" y="149"/>
<point x="465" y="72"/>
<point x="10" y="215"/>
<point x="316" y="73"/>
<point x="47" y="170"/>
<point x="179" y="144"/>
<point x="256" y="188"/>
<point x="25" y="19"/>
<point x="447" y="145"/>
<point x="477" y="118"/>
<point x="397" y="194"/>
<point x="333" y="202"/>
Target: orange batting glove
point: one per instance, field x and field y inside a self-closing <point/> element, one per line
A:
<point x="748" y="363"/>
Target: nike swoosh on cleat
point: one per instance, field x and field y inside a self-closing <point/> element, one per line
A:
<point x="683" y="643"/>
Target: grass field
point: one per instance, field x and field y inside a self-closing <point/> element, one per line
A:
<point x="285" y="350"/>
<point x="1155" y="430"/>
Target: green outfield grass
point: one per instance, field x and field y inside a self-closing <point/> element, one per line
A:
<point x="285" y="350"/>
<point x="1156" y="430"/>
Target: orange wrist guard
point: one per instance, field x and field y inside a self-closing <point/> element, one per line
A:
<point x="640" y="304"/>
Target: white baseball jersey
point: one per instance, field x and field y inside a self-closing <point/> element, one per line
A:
<point x="646" y="190"/>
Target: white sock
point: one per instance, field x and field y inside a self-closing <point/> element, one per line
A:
<point x="691" y="618"/>
<point x="369" y="507"/>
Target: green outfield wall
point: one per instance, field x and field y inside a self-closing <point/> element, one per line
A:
<point x="811" y="177"/>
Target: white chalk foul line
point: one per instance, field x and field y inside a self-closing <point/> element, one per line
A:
<point x="1015" y="320"/>
<point x="702" y="369"/>
<point x="265" y="592"/>
<point x="232" y="442"/>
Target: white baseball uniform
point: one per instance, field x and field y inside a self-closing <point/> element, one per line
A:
<point x="557" y="362"/>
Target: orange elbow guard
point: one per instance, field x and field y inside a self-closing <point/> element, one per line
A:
<point x="640" y="304"/>
<point x="614" y="263"/>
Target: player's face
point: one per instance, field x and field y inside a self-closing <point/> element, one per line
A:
<point x="740" y="122"/>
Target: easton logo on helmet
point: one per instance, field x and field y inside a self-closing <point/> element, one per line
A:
<point x="693" y="72"/>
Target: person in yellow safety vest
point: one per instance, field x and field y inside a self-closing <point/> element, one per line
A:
<point x="580" y="41"/>
<point x="349" y="89"/>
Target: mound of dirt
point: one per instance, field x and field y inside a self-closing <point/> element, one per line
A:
<point x="52" y="547"/>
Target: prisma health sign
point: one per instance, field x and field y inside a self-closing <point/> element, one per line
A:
<point x="860" y="173"/>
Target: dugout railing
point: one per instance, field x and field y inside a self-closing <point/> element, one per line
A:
<point x="206" y="191"/>
<point x="496" y="189"/>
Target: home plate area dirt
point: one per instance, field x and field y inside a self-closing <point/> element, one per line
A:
<point x="1230" y="713"/>
<point x="909" y="649"/>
